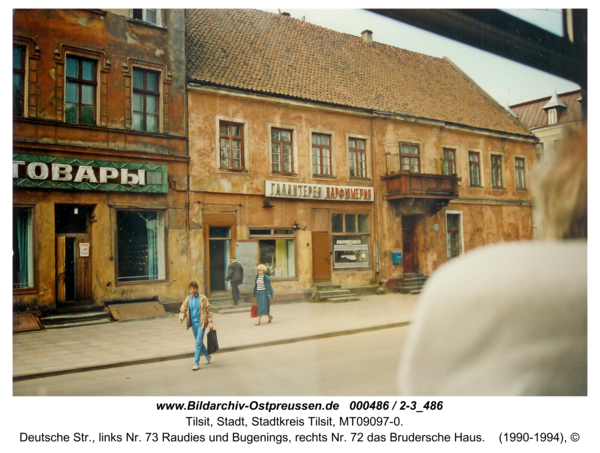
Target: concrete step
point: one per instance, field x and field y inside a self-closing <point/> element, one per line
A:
<point x="77" y="324"/>
<point x="326" y="286"/>
<point x="338" y="293"/>
<point x="75" y="318"/>
<point x="343" y="299"/>
<point x="231" y="308"/>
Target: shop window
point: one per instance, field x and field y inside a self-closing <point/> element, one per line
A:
<point x="22" y="248"/>
<point x="146" y="97"/>
<point x="520" y="173"/>
<point x="497" y="171"/>
<point x="351" y="240"/>
<point x="232" y="146"/>
<point x="474" y="169"/>
<point x="409" y="158"/>
<point x="141" y="246"/>
<point x="18" y="80"/>
<point x="357" y="156"/>
<point x="281" y="151"/>
<point x="448" y="161"/>
<point x="452" y="235"/>
<point x="321" y="154"/>
<point x="80" y="94"/>
<point x="276" y="250"/>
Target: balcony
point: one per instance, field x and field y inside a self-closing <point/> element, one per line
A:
<point x="436" y="190"/>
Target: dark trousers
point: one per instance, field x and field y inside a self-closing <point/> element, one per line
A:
<point x="235" y="292"/>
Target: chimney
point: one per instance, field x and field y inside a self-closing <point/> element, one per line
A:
<point x="367" y="36"/>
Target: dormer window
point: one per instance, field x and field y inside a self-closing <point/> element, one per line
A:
<point x="552" y="116"/>
<point x="552" y="107"/>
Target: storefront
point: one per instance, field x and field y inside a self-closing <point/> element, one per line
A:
<point x="89" y="231"/>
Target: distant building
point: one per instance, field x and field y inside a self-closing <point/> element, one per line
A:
<point x="551" y="118"/>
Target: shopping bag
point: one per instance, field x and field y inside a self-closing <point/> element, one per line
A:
<point x="254" y="311"/>
<point x="212" y="344"/>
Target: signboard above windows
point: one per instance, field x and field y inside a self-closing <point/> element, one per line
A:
<point x="67" y="173"/>
<point x="317" y="191"/>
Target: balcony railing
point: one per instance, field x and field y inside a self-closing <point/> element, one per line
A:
<point x="404" y="184"/>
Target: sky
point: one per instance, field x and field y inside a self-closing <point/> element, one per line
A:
<point x="504" y="80"/>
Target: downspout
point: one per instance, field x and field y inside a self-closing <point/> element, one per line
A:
<point x="375" y="210"/>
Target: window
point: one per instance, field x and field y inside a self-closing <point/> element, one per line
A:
<point x="474" y="170"/>
<point x="350" y="240"/>
<point x="552" y="117"/>
<point x="276" y="250"/>
<point x="18" y="80"/>
<point x="497" y="171"/>
<point x="520" y="172"/>
<point x="321" y="154"/>
<point x="409" y="157"/>
<point x="452" y="235"/>
<point x="556" y="144"/>
<point x="281" y="151"/>
<point x="141" y="246"/>
<point x="22" y="248"/>
<point x="147" y="15"/>
<point x="145" y="100"/>
<point x="539" y="150"/>
<point x="358" y="161"/>
<point x="80" y="102"/>
<point x="232" y="145"/>
<point x="448" y="161"/>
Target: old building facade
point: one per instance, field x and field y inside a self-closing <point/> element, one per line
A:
<point x="321" y="154"/>
<point x="99" y="157"/>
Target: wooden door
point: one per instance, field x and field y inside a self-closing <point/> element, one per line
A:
<point x="321" y="257"/>
<point x="408" y="250"/>
<point x="61" y="296"/>
<point x="84" y="267"/>
<point x="73" y="268"/>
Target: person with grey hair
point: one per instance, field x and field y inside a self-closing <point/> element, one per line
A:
<point x="262" y="291"/>
<point x="511" y="319"/>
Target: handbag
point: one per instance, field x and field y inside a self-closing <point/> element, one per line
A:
<point x="212" y="344"/>
<point x="254" y="311"/>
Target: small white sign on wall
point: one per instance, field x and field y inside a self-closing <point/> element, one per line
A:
<point x="84" y="249"/>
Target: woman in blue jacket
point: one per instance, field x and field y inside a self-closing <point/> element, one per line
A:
<point x="262" y="291"/>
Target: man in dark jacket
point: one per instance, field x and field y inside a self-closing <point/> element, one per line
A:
<point x="235" y="275"/>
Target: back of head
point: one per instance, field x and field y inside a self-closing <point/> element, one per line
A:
<point x="560" y="190"/>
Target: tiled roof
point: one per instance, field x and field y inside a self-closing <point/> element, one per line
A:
<point x="270" y="53"/>
<point x="532" y="113"/>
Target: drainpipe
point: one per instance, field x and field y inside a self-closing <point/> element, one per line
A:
<point x="375" y="210"/>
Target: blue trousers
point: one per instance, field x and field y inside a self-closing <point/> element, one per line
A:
<point x="200" y="348"/>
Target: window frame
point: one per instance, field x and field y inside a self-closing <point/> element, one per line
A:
<point x="80" y="83"/>
<point x="445" y="161"/>
<point x="460" y="233"/>
<point x="346" y="234"/>
<point x="358" y="152"/>
<point x="273" y="236"/>
<point x="410" y="156"/>
<point x="230" y="137"/>
<point x="145" y="92"/>
<point x="321" y="148"/>
<point x="478" y="166"/>
<point x="34" y="277"/>
<point x="523" y="171"/>
<point x="23" y="73"/>
<point x="552" y="116"/>
<point x="144" y="18"/>
<point x="165" y="222"/>
<point x="496" y="168"/>
<point x="281" y="144"/>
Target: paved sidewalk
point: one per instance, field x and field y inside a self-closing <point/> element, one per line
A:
<point x="74" y="349"/>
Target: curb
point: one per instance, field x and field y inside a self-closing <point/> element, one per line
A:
<point x="104" y="366"/>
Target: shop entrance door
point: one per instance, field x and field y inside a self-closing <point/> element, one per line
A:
<point x="321" y="257"/>
<point x="219" y="240"/>
<point x="408" y="243"/>
<point x="73" y="254"/>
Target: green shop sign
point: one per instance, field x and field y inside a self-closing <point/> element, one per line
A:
<point x="65" y="173"/>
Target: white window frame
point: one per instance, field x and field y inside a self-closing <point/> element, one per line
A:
<point x="552" y="116"/>
<point x="144" y="18"/>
